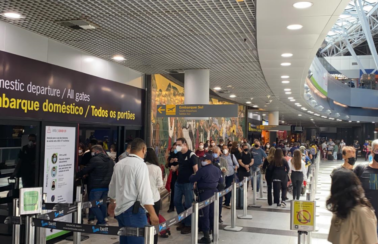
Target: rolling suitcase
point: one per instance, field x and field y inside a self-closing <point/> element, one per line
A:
<point x="330" y="157"/>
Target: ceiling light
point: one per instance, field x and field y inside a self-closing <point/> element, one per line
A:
<point x="285" y="64"/>
<point x="263" y="114"/>
<point x="217" y="88"/>
<point x="294" y="27"/>
<point x="358" y="121"/>
<point x="12" y="15"/>
<point x="302" y="5"/>
<point x="287" y="89"/>
<point x="285" y="82"/>
<point x="299" y="105"/>
<point x="287" y="55"/>
<point x="350" y="121"/>
<point x="255" y="106"/>
<point x="324" y="116"/>
<point x="299" y="115"/>
<point x="303" y="108"/>
<point x="311" y="119"/>
<point x="339" y="120"/>
<point x="373" y="122"/>
<point x="285" y="77"/>
<point x="310" y="112"/>
<point x="232" y="95"/>
<point x="332" y="118"/>
<point x="317" y="114"/>
<point x="288" y="93"/>
<point x="248" y="102"/>
<point x="290" y="98"/>
<point x="118" y="58"/>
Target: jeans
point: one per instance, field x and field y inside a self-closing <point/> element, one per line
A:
<point x="258" y="173"/>
<point x="185" y="190"/>
<point x="99" y="212"/>
<point x="296" y="180"/>
<point x="229" y="180"/>
<point x="128" y="219"/>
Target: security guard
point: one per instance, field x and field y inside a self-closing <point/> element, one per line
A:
<point x="208" y="177"/>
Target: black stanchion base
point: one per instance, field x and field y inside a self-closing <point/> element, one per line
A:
<point x="83" y="238"/>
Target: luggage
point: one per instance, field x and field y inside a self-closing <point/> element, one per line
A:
<point x="163" y="233"/>
<point x="330" y="157"/>
<point x="239" y="198"/>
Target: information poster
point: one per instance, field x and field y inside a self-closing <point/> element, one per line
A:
<point x="30" y="200"/>
<point x="303" y="215"/>
<point x="59" y="169"/>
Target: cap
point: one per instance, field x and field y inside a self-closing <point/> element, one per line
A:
<point x="207" y="156"/>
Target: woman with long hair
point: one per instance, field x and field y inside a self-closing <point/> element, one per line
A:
<point x="354" y="220"/>
<point x="298" y="173"/>
<point x="267" y="167"/>
<point x="200" y="152"/>
<point x="156" y="179"/>
<point x="235" y="150"/>
<point x="279" y="177"/>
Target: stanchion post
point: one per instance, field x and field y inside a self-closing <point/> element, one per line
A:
<point x="233" y="211"/>
<point x="149" y="233"/>
<point x="254" y="205"/>
<point x="29" y="229"/>
<point x="261" y="187"/>
<point x="245" y="201"/>
<point x="216" y="219"/>
<point x="77" y="215"/>
<point x="41" y="232"/>
<point x="195" y="217"/>
<point x="16" y="228"/>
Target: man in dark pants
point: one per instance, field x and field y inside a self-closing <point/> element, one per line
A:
<point x="208" y="177"/>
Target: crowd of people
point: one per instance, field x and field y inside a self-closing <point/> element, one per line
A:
<point x="133" y="183"/>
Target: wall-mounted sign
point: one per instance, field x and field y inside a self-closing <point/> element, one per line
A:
<point x="302" y="215"/>
<point x="30" y="200"/>
<point x="197" y="110"/>
<point x="38" y="90"/>
<point x="59" y="169"/>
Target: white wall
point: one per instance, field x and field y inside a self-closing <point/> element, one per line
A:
<point x="344" y="64"/>
<point x="28" y="44"/>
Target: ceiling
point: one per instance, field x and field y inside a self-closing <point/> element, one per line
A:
<point x="274" y="39"/>
<point x="163" y="35"/>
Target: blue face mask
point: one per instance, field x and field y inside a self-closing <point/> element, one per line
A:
<point x="215" y="155"/>
<point x="175" y="151"/>
<point x="204" y="163"/>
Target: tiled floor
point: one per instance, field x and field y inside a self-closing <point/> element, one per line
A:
<point x="266" y="227"/>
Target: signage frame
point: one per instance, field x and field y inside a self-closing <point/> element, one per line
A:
<point x="197" y="110"/>
<point x="311" y="210"/>
<point x="22" y="200"/>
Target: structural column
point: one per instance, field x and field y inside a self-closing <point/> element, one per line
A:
<point x="197" y="86"/>
<point x="273" y="118"/>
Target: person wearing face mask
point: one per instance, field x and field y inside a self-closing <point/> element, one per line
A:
<point x="99" y="171"/>
<point x="232" y="166"/>
<point x="258" y="156"/>
<point x="348" y="154"/>
<point x="245" y="162"/>
<point x="368" y="175"/>
<point x="245" y="142"/>
<point x="221" y="143"/>
<point x="221" y="163"/>
<point x="172" y="161"/>
<point x="212" y="145"/>
<point x="342" y="144"/>
<point x="187" y="165"/>
<point x="200" y="152"/>
<point x="266" y="147"/>
<point x="26" y="162"/>
<point x="208" y="178"/>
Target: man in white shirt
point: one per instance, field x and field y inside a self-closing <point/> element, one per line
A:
<point x="130" y="185"/>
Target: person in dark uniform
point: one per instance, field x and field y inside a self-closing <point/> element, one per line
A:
<point x="26" y="162"/>
<point x="208" y="177"/>
<point x="172" y="161"/>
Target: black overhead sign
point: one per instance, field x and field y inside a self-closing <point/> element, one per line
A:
<point x="197" y="110"/>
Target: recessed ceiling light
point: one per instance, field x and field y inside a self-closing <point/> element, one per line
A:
<point x="217" y="88"/>
<point x="285" y="82"/>
<point x="255" y="106"/>
<point x="317" y="114"/>
<point x="285" y="77"/>
<point x="299" y="114"/>
<point x="310" y="112"/>
<point x="373" y="122"/>
<point x="232" y="95"/>
<point x="283" y="121"/>
<point x="302" y="5"/>
<point x="290" y="98"/>
<point x="287" y="55"/>
<point x="295" y="27"/>
<point x="303" y="108"/>
<point x="358" y="121"/>
<point x="248" y="102"/>
<point x="263" y="114"/>
<point x="12" y="15"/>
<point x="311" y="119"/>
<point x="332" y="118"/>
<point x="287" y="89"/>
<point x="119" y="58"/>
<point x="285" y="64"/>
<point x="298" y="105"/>
<point x="350" y="121"/>
<point x="339" y="120"/>
<point x="288" y="93"/>
<point x="324" y="116"/>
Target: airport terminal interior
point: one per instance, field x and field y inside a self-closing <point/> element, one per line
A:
<point x="189" y="121"/>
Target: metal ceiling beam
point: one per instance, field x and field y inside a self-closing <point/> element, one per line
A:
<point x="366" y="28"/>
<point x="351" y="50"/>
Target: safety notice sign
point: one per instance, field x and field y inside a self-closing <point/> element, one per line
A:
<point x="303" y="215"/>
<point x="197" y="110"/>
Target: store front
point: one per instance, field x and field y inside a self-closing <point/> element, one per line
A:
<point x="46" y="111"/>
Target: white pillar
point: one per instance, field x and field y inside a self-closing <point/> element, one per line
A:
<point x="273" y="118"/>
<point x="197" y="86"/>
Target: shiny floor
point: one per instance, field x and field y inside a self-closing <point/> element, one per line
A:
<point x="270" y="225"/>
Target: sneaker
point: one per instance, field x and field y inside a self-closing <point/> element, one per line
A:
<point x="227" y="206"/>
<point x="186" y="230"/>
<point x="283" y="204"/>
<point x="278" y="205"/>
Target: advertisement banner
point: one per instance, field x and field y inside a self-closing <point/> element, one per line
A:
<point x="319" y="76"/>
<point x="59" y="169"/>
<point x="38" y="90"/>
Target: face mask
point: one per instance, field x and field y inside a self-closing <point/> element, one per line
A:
<point x="221" y="144"/>
<point x="256" y="145"/>
<point x="212" y="144"/>
<point x="53" y="173"/>
<point x="204" y="163"/>
<point x="179" y="148"/>
<point x="376" y="157"/>
<point x="54" y="160"/>
<point x="30" y="143"/>
<point x="225" y="151"/>
<point x="80" y="151"/>
<point x="93" y="153"/>
<point x="268" y="146"/>
<point x="201" y="147"/>
<point x="215" y="155"/>
<point x="246" y="150"/>
<point x="351" y="161"/>
<point x="175" y="151"/>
